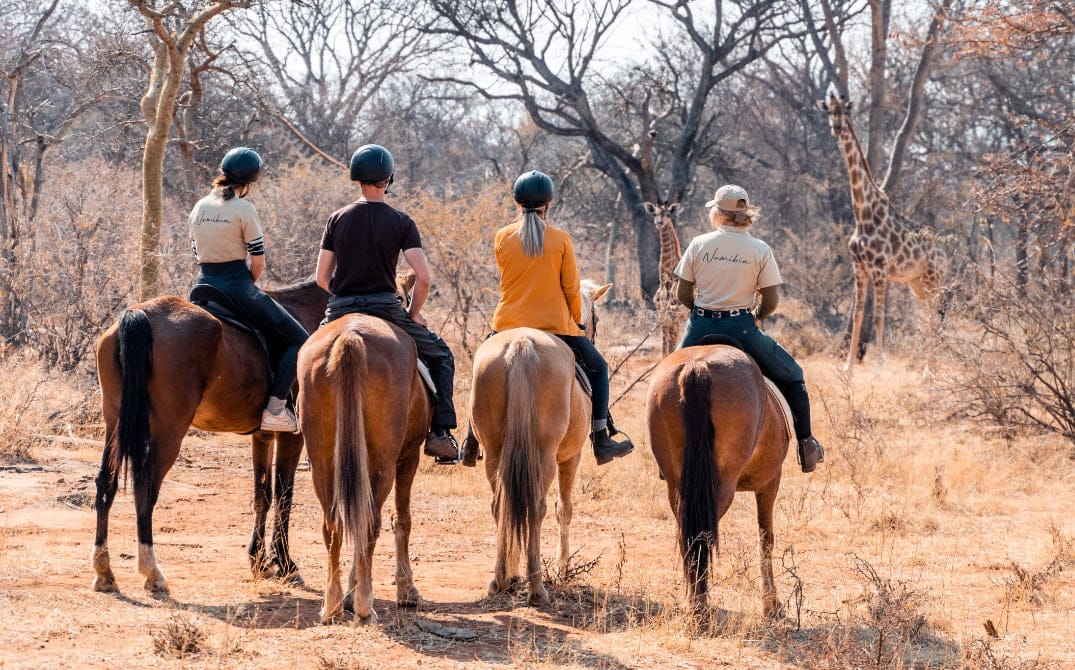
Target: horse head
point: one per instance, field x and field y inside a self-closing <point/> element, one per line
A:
<point x="591" y="292"/>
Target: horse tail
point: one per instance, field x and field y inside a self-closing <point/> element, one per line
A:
<point x="698" y="486"/>
<point x="520" y="459"/>
<point x="353" y="502"/>
<point x="133" y="444"/>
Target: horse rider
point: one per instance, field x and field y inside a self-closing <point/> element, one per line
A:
<point x="225" y="233"/>
<point x="719" y="276"/>
<point x="357" y="265"/>
<point x="539" y="288"/>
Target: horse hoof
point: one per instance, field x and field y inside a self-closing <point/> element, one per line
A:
<point x="368" y="620"/>
<point x="158" y="588"/>
<point x="106" y="584"/>
<point x="538" y="597"/>
<point x="407" y="597"/>
<point x="329" y="619"/>
<point x="293" y="578"/>
<point x="494" y="588"/>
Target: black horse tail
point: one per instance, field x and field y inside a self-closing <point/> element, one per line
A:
<point x="133" y="448"/>
<point x="353" y="502"/>
<point x="698" y="487"/>
<point x="518" y="494"/>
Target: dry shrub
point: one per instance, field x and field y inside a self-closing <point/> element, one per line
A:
<point x="894" y="619"/>
<point x="79" y="267"/>
<point x="980" y="655"/>
<point x="457" y="234"/>
<point x="37" y="403"/>
<point x="178" y="637"/>
<point x="1011" y="358"/>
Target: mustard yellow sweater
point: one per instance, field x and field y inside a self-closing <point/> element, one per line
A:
<point x="541" y="292"/>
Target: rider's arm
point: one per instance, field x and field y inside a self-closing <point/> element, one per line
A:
<point x="257" y="266"/>
<point x="685" y="292"/>
<point x="569" y="282"/>
<point x="423" y="279"/>
<point x="770" y="298"/>
<point x="326" y="265"/>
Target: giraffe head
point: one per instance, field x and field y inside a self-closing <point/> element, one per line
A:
<point x="839" y="109"/>
<point x="663" y="213"/>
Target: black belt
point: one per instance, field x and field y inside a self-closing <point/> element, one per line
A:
<point x="720" y="314"/>
<point x="223" y="269"/>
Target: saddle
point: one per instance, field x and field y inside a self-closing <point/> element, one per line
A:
<point x="221" y="306"/>
<point x="770" y="386"/>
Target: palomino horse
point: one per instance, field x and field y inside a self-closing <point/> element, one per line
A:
<point x="165" y="366"/>
<point x="715" y="430"/>
<point x="365" y="413"/>
<point x="532" y="417"/>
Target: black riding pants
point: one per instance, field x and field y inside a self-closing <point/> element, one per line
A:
<point x="261" y="312"/>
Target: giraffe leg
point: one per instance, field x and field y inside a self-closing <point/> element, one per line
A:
<point x="880" y="285"/>
<point x="858" y="314"/>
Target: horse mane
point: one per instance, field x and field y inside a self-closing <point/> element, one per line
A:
<point x="586" y="289"/>
<point x="296" y="290"/>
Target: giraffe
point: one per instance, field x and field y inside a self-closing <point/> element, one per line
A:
<point x="885" y="245"/>
<point x="665" y="298"/>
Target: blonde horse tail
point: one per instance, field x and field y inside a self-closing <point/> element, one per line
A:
<point x="353" y="501"/>
<point x="698" y="488"/>
<point x="520" y="459"/>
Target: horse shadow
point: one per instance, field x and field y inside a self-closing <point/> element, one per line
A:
<point x="505" y="630"/>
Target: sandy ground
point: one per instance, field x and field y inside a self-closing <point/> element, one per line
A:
<point x="946" y="524"/>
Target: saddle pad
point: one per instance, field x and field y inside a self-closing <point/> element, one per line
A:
<point x="423" y="372"/>
<point x="583" y="380"/>
<point x="774" y="392"/>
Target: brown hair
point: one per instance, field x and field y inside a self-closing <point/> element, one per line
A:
<point x="226" y="186"/>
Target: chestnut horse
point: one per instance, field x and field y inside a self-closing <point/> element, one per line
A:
<point x="167" y="365"/>
<point x="533" y="417"/>
<point x="714" y="430"/>
<point x="365" y="413"/>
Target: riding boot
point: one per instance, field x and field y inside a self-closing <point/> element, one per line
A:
<point x="605" y="450"/>
<point x="612" y="430"/>
<point x="810" y="453"/>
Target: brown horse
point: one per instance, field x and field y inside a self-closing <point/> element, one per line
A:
<point x="365" y="413"/>
<point x="714" y="430"/>
<point x="533" y="417"/>
<point x="167" y="365"/>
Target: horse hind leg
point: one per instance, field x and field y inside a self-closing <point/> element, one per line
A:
<point x="766" y="499"/>
<point x="288" y="451"/>
<point x="107" y="482"/>
<point x="167" y="448"/>
<point x="406" y="591"/>
<point x="260" y="562"/>
<point x="539" y="595"/>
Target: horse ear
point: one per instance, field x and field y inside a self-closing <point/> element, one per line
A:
<point x="651" y="209"/>
<point x="601" y="290"/>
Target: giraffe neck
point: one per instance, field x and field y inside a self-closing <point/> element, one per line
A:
<point x="670" y="249"/>
<point x="866" y="196"/>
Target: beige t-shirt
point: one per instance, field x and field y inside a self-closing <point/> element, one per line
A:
<point x="225" y="230"/>
<point x="727" y="267"/>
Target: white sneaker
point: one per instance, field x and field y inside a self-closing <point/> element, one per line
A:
<point x="283" y="422"/>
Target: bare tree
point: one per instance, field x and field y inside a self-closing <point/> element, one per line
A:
<point x="544" y="51"/>
<point x="172" y="30"/>
<point x="329" y="59"/>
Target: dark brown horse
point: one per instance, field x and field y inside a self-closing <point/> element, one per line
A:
<point x="365" y="413"/>
<point x="165" y="366"/>
<point x="715" y="430"/>
<point x="533" y="417"/>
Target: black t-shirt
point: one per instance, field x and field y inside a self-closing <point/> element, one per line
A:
<point x="367" y="238"/>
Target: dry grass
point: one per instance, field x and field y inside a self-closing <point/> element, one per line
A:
<point x="894" y="554"/>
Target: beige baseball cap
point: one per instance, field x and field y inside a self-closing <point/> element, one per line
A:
<point x="728" y="199"/>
